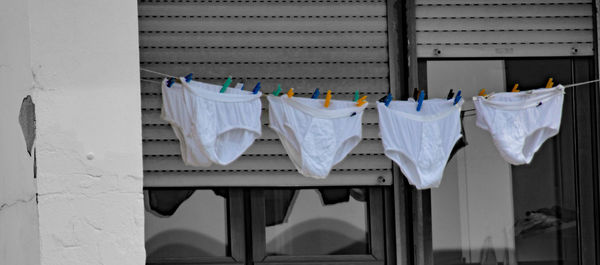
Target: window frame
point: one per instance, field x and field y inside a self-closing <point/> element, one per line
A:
<point x="376" y="235"/>
<point x="235" y="234"/>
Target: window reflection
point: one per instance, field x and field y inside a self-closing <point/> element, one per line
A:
<point x="329" y="221"/>
<point x="487" y="211"/>
<point x="185" y="224"/>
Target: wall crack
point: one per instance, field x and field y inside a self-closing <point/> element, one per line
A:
<point x="19" y="201"/>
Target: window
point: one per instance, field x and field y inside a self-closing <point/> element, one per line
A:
<point x="487" y="211"/>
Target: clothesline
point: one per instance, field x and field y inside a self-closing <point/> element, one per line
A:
<point x="167" y="75"/>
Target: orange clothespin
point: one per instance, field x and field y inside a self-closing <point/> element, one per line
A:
<point x="328" y="98"/>
<point x="515" y="88"/>
<point x="290" y="93"/>
<point x="482" y="92"/>
<point x="549" y="84"/>
<point x="361" y="101"/>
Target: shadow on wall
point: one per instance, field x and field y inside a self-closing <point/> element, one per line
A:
<point x="188" y="244"/>
<point x="320" y="236"/>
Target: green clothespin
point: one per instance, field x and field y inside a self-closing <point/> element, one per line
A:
<point x="277" y="91"/>
<point x="226" y="85"/>
<point x="356" y="95"/>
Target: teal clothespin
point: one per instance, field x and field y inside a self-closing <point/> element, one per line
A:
<point x="188" y="77"/>
<point x="256" y="88"/>
<point x="277" y="91"/>
<point x="315" y="94"/>
<point x="356" y="95"/>
<point x="420" y="100"/>
<point x="226" y="85"/>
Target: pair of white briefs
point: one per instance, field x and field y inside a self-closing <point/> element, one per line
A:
<point x="212" y="127"/>
<point x="520" y="122"/>
<point x="316" y="138"/>
<point x="420" y="142"/>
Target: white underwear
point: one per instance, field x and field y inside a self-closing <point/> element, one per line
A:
<point x="420" y="142"/>
<point x="223" y="125"/>
<point x="316" y="138"/>
<point x="520" y="122"/>
<point x="178" y="110"/>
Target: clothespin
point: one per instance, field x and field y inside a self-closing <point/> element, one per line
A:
<point x="328" y="99"/>
<point x="457" y="98"/>
<point x="515" y="88"/>
<point x="243" y="83"/>
<point x="226" y="84"/>
<point x="415" y="94"/>
<point x="361" y="101"/>
<point x="316" y="93"/>
<point x="171" y="81"/>
<point x="256" y="88"/>
<point x="290" y="93"/>
<point x="549" y="84"/>
<point x="420" y="100"/>
<point x="276" y="92"/>
<point x="356" y="95"/>
<point x="482" y="92"/>
<point x="450" y="94"/>
<point x="188" y="77"/>
<point x="388" y="99"/>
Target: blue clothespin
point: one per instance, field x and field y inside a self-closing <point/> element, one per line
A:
<point x="457" y="98"/>
<point x="388" y="99"/>
<point x="256" y="88"/>
<point x="188" y="77"/>
<point x="316" y="93"/>
<point x="170" y="81"/>
<point x="420" y="100"/>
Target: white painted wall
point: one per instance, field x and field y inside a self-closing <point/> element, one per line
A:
<point x="19" y="237"/>
<point x="84" y="57"/>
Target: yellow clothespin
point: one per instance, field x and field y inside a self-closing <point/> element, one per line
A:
<point x="515" y="88"/>
<point x="361" y="101"/>
<point x="549" y="84"/>
<point x="482" y="92"/>
<point x="328" y="98"/>
<point x="290" y="93"/>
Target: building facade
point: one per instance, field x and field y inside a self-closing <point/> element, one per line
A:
<point x="94" y="175"/>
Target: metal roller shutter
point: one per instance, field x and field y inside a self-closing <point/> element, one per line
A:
<point x="340" y="45"/>
<point x="513" y="28"/>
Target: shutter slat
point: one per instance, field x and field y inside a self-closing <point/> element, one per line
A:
<point x="289" y="40"/>
<point x="263" y="55"/>
<point x="514" y="28"/>
<point x="265" y="179"/>
<point x="222" y="9"/>
<point x="504" y="37"/>
<point x="503" y="11"/>
<point x="504" y="24"/>
<point x="224" y="25"/>
<point x="339" y="45"/>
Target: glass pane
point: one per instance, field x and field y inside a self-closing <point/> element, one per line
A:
<point x="331" y="221"/>
<point x="487" y="211"/>
<point x="185" y="224"/>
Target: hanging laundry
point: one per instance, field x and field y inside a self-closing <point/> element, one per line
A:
<point x="223" y="125"/>
<point x="520" y="122"/>
<point x="175" y="112"/>
<point x="166" y="202"/>
<point x="462" y="142"/>
<point x="420" y="142"/>
<point x="315" y="137"/>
